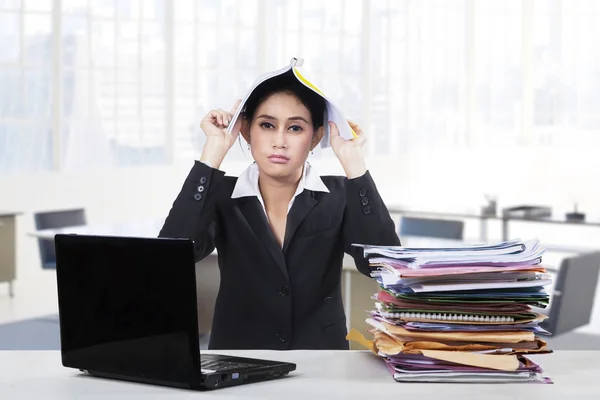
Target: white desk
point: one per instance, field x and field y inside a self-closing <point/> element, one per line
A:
<point x="319" y="375"/>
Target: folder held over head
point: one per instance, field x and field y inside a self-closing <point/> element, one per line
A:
<point x="332" y="112"/>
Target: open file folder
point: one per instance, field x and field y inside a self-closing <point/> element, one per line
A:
<point x="333" y="112"/>
<point x="470" y="325"/>
<point x="503" y="254"/>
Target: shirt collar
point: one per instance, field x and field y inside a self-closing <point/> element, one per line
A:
<point x="247" y="183"/>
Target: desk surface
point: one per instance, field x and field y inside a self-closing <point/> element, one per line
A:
<point x="319" y="375"/>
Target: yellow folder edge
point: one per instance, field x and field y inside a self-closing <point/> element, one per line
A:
<point x="355" y="336"/>
<point x="307" y="83"/>
<point x="493" y="361"/>
<point x="316" y="89"/>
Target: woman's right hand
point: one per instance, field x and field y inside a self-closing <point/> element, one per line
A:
<point x="218" y="140"/>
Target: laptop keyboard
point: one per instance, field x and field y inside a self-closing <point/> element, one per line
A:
<point x="222" y="365"/>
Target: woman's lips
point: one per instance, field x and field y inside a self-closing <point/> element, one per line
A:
<point x="278" y="159"/>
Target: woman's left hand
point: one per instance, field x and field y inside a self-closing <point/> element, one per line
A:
<point x="349" y="152"/>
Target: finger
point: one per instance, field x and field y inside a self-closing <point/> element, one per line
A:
<point x="357" y="129"/>
<point x="214" y="117"/>
<point x="217" y="117"/>
<point x="334" y="135"/>
<point x="333" y="129"/>
<point x="236" y="106"/>
<point x="360" y="140"/>
<point x="223" y="116"/>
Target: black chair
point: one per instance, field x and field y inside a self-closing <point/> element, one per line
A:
<point x="54" y="220"/>
<point x="432" y="228"/>
<point x="574" y="293"/>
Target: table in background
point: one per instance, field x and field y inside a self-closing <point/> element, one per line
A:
<point x="357" y="289"/>
<point x="137" y="228"/>
<point x="8" y="248"/>
<point x="320" y="374"/>
<point x="207" y="270"/>
<point x="483" y="225"/>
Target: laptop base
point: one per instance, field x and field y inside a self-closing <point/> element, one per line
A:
<point x="208" y="381"/>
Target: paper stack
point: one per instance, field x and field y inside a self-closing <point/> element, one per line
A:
<point x="459" y="314"/>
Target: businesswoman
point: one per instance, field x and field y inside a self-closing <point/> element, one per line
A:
<point x="280" y="229"/>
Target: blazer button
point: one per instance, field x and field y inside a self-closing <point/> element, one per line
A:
<point x="201" y="188"/>
<point x="362" y="192"/>
<point x="367" y="210"/>
<point x="203" y="180"/>
<point x="364" y="201"/>
<point x="284" y="336"/>
<point x="285" y="290"/>
<point x="197" y="197"/>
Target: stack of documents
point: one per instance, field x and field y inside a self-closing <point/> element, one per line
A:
<point x="459" y="314"/>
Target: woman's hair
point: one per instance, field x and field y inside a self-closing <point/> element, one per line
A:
<point x="287" y="83"/>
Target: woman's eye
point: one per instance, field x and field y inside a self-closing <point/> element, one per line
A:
<point x="295" y="128"/>
<point x="266" y="125"/>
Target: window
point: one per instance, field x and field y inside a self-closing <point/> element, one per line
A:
<point x="566" y="71"/>
<point x="419" y="92"/>
<point x="110" y="83"/>
<point x="26" y="86"/>
<point x="216" y="60"/>
<point x="113" y="83"/>
<point x="498" y="72"/>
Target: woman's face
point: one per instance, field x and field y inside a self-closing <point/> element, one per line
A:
<point x="282" y="135"/>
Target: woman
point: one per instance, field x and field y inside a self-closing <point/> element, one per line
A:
<point x="280" y="229"/>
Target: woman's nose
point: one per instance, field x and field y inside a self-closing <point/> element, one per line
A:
<point x="279" y="140"/>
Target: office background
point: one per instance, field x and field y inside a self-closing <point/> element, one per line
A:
<point x="100" y="104"/>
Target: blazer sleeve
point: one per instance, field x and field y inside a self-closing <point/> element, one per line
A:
<point x="366" y="220"/>
<point x="193" y="213"/>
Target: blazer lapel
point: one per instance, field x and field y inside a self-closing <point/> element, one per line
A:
<point x="304" y="202"/>
<point x="255" y="215"/>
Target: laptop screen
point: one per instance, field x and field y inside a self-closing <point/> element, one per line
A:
<point x="128" y="306"/>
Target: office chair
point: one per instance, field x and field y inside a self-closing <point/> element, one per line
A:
<point x="572" y="301"/>
<point x="431" y="228"/>
<point x="53" y="220"/>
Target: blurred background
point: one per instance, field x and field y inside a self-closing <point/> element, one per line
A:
<point x="462" y="101"/>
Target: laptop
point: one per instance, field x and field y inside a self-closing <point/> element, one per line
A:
<point x="128" y="310"/>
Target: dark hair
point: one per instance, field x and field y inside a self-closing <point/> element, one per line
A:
<point x="287" y="83"/>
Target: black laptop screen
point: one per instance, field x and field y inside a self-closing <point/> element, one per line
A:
<point x="128" y="306"/>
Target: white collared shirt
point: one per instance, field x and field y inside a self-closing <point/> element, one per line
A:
<point x="247" y="184"/>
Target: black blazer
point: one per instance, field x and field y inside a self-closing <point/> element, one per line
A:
<point x="274" y="298"/>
